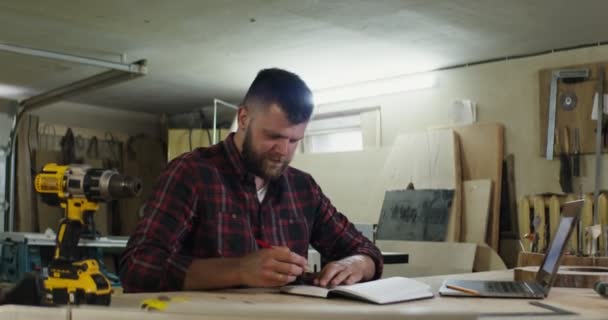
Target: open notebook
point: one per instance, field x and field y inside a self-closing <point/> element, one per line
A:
<point x="389" y="290"/>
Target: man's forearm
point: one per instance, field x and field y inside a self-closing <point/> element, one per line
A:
<point x="213" y="273"/>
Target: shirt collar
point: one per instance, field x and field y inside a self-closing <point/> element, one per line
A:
<point x="234" y="156"/>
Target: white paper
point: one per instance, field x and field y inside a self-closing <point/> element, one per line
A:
<point x="595" y="106"/>
<point x="381" y="291"/>
<point x="462" y="112"/>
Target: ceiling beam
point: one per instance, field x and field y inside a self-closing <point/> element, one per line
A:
<point x="128" y="67"/>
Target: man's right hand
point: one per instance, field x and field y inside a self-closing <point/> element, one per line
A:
<point x="271" y="267"/>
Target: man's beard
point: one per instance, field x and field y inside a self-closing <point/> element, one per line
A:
<point x="260" y="164"/>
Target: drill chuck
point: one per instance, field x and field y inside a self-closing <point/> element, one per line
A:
<point x="107" y="185"/>
<point x="124" y="187"/>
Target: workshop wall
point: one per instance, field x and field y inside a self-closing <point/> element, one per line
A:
<point x="505" y="92"/>
<point x="80" y="115"/>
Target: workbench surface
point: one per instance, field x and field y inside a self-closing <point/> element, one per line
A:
<point x="562" y="303"/>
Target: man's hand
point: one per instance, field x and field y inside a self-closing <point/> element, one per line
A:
<point x="346" y="271"/>
<point x="271" y="267"/>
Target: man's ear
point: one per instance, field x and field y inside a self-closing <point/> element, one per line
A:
<point x="243" y="117"/>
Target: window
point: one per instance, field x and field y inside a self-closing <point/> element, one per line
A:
<point x="344" y="131"/>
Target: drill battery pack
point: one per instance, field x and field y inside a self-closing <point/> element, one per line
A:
<point x="78" y="282"/>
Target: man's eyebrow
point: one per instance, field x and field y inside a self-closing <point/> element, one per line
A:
<point x="276" y="134"/>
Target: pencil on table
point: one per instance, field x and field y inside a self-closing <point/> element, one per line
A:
<point x="461" y="289"/>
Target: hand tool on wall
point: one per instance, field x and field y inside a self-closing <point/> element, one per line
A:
<point x="576" y="156"/>
<point x="565" y="173"/>
<point x="574" y="74"/>
<point x="568" y="101"/>
<point x="598" y="144"/>
<point x="536" y="222"/>
<point x="592" y="234"/>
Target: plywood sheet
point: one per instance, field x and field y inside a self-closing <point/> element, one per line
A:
<point x="27" y="140"/>
<point x="482" y="153"/>
<point x="524" y="222"/>
<point x="428" y="160"/>
<point x="475" y="209"/>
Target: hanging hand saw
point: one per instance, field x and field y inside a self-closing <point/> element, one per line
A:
<point x="580" y="74"/>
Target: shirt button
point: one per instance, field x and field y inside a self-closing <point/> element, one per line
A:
<point x="233" y="216"/>
<point x="290" y="220"/>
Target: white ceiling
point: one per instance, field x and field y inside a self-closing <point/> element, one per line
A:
<point x="198" y="50"/>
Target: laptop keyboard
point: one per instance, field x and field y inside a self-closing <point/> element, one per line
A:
<point x="507" y="287"/>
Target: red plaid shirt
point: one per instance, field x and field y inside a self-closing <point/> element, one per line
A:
<point x="205" y="205"/>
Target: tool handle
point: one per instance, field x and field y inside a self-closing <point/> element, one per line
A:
<point x="576" y="165"/>
<point x="566" y="141"/>
<point x="67" y="240"/>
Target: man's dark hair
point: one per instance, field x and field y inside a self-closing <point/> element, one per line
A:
<point x="283" y="88"/>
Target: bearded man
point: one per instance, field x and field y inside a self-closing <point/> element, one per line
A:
<point x="236" y="214"/>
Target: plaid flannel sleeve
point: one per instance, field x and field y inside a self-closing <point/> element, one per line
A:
<point x="152" y="260"/>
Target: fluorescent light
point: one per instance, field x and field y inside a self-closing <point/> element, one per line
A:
<point x="375" y="88"/>
<point x="13" y="92"/>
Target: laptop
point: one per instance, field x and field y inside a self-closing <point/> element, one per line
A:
<point x="538" y="289"/>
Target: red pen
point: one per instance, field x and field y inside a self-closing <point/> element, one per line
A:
<point x="263" y="244"/>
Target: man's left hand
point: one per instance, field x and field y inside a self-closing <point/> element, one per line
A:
<point x="349" y="270"/>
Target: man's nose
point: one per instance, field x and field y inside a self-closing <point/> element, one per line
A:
<point x="282" y="147"/>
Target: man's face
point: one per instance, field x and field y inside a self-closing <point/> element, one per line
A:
<point x="270" y="142"/>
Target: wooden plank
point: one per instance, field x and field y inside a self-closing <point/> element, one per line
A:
<point x="25" y="212"/>
<point x="586" y="219"/>
<point x="482" y="153"/>
<point x="535" y="259"/>
<point x="524" y="222"/>
<point x="540" y="215"/>
<point x="429" y="160"/>
<point x="249" y="307"/>
<point x="258" y="303"/>
<point x="567" y="276"/>
<point x="18" y="312"/>
<point x="511" y="194"/>
<point x="475" y="209"/>
<point x="603" y="218"/>
<point x="431" y="258"/>
<point x="233" y="303"/>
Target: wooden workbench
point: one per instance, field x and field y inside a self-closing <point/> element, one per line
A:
<point x="562" y="303"/>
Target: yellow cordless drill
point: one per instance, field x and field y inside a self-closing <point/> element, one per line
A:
<point x="78" y="189"/>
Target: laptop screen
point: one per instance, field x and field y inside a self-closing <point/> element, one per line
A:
<point x="559" y="241"/>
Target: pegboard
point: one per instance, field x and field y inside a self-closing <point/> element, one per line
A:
<point x="578" y="117"/>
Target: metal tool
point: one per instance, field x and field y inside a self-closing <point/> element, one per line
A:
<point x="555" y="76"/>
<point x="576" y="157"/>
<point x="598" y="143"/>
<point x="605" y="241"/>
<point x="536" y="224"/>
<point x="565" y="177"/>
<point x="568" y="101"/>
<point x="592" y="234"/>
